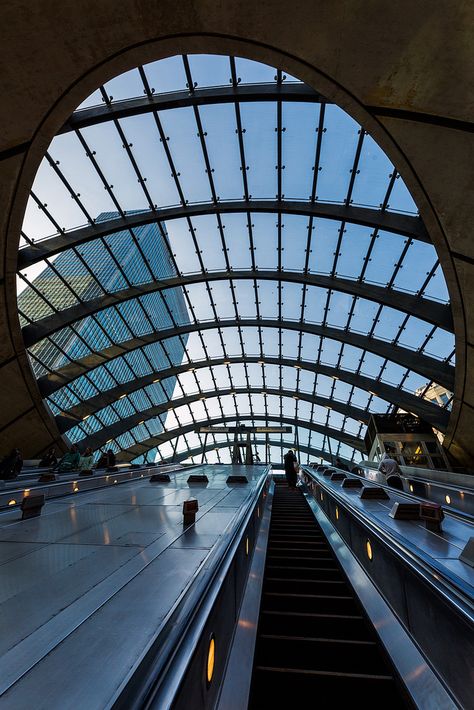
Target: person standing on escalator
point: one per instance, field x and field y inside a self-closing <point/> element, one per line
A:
<point x="291" y="469"/>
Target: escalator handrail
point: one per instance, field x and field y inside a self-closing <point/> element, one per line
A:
<point x="179" y="634"/>
<point x="449" y="586"/>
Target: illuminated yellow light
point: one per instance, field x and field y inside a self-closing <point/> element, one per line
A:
<point x="334" y="377"/>
<point x="26" y="492"/>
<point x="448" y="499"/>
<point x="192" y="369"/>
<point x="122" y="396"/>
<point x="246" y="546"/>
<point x="327" y="406"/>
<point x="211" y="659"/>
<point x="86" y="417"/>
<point x="321" y="496"/>
<point x="297" y="367"/>
<point x="226" y="362"/>
<point x="373" y="394"/>
<point x="337" y="513"/>
<point x="201" y="398"/>
<point x="368" y="548"/>
<point x="76" y="488"/>
<point x="295" y="397"/>
<point x="115" y="481"/>
<point x="142" y="422"/>
<point x="155" y="381"/>
<point x="411" y="488"/>
<point x="12" y="502"/>
<point x="107" y="478"/>
<point x="261" y="362"/>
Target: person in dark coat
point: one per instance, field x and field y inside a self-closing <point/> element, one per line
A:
<point x="11" y="465"/>
<point x="106" y="460"/>
<point x="50" y="459"/>
<point x="291" y="465"/>
<point x="341" y="465"/>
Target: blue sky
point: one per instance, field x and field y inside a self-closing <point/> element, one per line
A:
<point x="299" y="138"/>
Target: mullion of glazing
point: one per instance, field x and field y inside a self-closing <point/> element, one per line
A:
<point x="89" y="154"/>
<point x="244" y="167"/>
<point x="209" y="171"/>
<point x="109" y="189"/>
<point x="348" y="198"/>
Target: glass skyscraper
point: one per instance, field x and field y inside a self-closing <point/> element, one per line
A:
<point x="102" y="266"/>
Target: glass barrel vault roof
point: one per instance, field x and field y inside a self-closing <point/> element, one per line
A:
<point x="208" y="240"/>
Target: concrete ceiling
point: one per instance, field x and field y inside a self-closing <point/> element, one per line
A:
<point x="404" y="70"/>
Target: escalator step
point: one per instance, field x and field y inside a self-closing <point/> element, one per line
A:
<point x="338" y="626"/>
<point x="274" y="601"/>
<point x="303" y="572"/>
<point x="312" y="640"/>
<point x="314" y="654"/>
<point x="308" y="586"/>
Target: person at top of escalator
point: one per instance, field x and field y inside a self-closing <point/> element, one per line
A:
<point x="107" y="460"/>
<point x="389" y="466"/>
<point x="291" y="469"/>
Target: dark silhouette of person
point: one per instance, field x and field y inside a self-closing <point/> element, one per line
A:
<point x="291" y="469"/>
<point x="341" y="465"/>
<point x="106" y="460"/>
<point x="11" y="465"/>
<point x="49" y="459"/>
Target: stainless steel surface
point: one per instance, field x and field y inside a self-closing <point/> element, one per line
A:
<point x="442" y="550"/>
<point x="97" y="575"/>
<point x="423" y="685"/>
<point x="235" y="689"/>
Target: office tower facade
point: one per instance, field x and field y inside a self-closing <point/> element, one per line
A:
<point x="109" y="265"/>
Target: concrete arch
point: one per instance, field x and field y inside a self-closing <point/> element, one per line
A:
<point x="388" y="98"/>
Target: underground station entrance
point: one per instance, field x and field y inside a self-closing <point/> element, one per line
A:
<point x="235" y="470"/>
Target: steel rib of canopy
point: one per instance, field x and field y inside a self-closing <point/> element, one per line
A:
<point x="381" y="218"/>
<point x="427" y="410"/>
<point x="194" y="455"/>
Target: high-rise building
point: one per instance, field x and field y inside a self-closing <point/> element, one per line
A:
<point x="103" y="266"/>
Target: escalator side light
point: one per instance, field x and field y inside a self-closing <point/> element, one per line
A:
<point x="211" y="657"/>
<point x="368" y="548"/>
<point x="337" y="513"/>
<point x="448" y="499"/>
<point x="247" y="546"/>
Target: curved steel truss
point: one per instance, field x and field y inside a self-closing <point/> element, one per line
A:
<point x="431" y="368"/>
<point x="199" y="451"/>
<point x="395" y="395"/>
<point x="172" y="434"/>
<point x="104" y="302"/>
<point x="239" y="93"/>
<point x="142" y="447"/>
<point x="435" y="313"/>
<point x="406" y="225"/>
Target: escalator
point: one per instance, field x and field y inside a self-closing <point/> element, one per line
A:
<point x="313" y="636"/>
